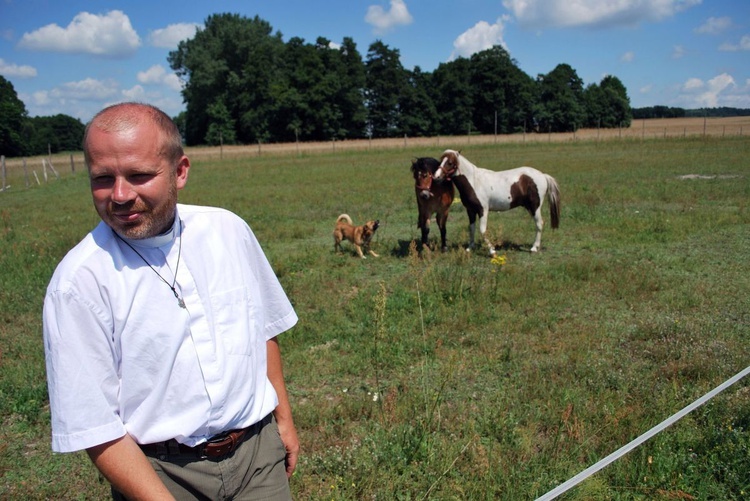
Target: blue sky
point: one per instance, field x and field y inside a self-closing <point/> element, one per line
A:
<point x="75" y="56"/>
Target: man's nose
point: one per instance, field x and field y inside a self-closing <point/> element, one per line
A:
<point x="122" y="191"/>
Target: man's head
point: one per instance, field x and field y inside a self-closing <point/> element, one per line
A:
<point x="136" y="166"/>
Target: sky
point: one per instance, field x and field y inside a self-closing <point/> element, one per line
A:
<point x="75" y="57"/>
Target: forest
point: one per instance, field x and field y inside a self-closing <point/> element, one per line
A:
<point x="244" y="84"/>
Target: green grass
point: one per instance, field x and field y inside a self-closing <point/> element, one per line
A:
<point x="443" y="375"/>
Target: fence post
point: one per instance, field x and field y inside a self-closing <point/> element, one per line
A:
<point x="2" y="161"/>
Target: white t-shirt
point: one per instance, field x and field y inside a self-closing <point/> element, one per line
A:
<point x="122" y="355"/>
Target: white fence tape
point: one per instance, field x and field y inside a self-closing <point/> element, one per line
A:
<point x="638" y="441"/>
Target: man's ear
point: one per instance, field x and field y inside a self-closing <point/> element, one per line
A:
<point x="183" y="168"/>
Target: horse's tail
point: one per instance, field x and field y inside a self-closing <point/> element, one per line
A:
<point x="345" y="218"/>
<point x="553" y="195"/>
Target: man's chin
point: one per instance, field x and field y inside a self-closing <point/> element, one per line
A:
<point x="131" y="231"/>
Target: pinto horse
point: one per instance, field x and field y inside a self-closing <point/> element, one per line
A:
<point x="504" y="190"/>
<point x="436" y="197"/>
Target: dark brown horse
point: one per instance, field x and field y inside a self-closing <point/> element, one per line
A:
<point x="436" y="197"/>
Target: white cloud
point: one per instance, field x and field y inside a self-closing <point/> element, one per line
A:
<point x="88" y="89"/>
<point x="714" y="25"/>
<point x="82" y="99"/>
<point x="169" y="37"/>
<point x="721" y="90"/>
<point x="678" y="52"/>
<point x="14" y="70"/>
<point x="743" y="45"/>
<point x="157" y="75"/>
<point x="384" y="20"/>
<point x="628" y="57"/>
<point x="479" y="37"/>
<point x="595" y="13"/>
<point x="135" y="93"/>
<point x="109" y="35"/>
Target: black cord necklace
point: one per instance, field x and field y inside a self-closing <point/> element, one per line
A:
<point x="180" y="302"/>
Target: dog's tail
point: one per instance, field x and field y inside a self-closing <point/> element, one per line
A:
<point x="345" y="218"/>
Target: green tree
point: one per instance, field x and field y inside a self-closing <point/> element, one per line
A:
<point x="349" y="70"/>
<point x="221" y="128"/>
<point x="618" y="112"/>
<point x="233" y="60"/>
<point x="561" y="106"/>
<point x="56" y="134"/>
<point x="607" y="104"/>
<point x="502" y="93"/>
<point x="452" y="94"/>
<point x="385" y="79"/>
<point x="13" y="118"/>
<point x="418" y="115"/>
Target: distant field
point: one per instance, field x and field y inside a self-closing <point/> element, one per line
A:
<point x="640" y="129"/>
<point x="447" y="376"/>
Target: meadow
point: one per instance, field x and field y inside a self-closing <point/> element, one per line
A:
<point x="449" y="376"/>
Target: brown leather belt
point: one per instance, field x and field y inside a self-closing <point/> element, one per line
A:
<point x="216" y="447"/>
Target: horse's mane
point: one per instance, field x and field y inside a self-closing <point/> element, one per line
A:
<point x="431" y="164"/>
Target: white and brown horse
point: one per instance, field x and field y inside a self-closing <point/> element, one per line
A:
<point x="504" y="190"/>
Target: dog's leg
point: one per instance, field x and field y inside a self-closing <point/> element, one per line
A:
<point x="359" y="251"/>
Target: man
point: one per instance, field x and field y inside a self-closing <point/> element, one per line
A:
<point x="160" y="331"/>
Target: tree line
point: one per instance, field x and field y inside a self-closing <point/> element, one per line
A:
<point x="21" y="135"/>
<point x="244" y="84"/>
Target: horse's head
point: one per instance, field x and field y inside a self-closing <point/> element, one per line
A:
<point x="448" y="164"/>
<point x="422" y="169"/>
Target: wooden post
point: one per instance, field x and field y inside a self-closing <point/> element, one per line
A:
<point x="72" y="164"/>
<point x="2" y="161"/>
<point x="25" y="173"/>
<point x="44" y="169"/>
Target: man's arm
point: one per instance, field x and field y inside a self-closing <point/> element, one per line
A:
<point x="125" y="466"/>
<point x="283" y="412"/>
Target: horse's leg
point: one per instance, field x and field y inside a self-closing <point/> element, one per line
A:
<point x="539" y="226"/>
<point x="483" y="232"/>
<point x="424" y="225"/>
<point x="472" y="229"/>
<point x="442" y="220"/>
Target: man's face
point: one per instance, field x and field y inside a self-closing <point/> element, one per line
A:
<point x="133" y="187"/>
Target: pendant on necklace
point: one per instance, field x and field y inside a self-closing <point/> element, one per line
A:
<point x="180" y="302"/>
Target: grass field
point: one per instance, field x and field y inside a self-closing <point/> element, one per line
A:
<point x="446" y="375"/>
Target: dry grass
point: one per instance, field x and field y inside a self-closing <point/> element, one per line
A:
<point x="640" y="129"/>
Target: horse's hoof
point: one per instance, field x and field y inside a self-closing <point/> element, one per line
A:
<point x="534" y="249"/>
<point x="444" y="249"/>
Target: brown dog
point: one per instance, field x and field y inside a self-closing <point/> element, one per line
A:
<point x="358" y="235"/>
